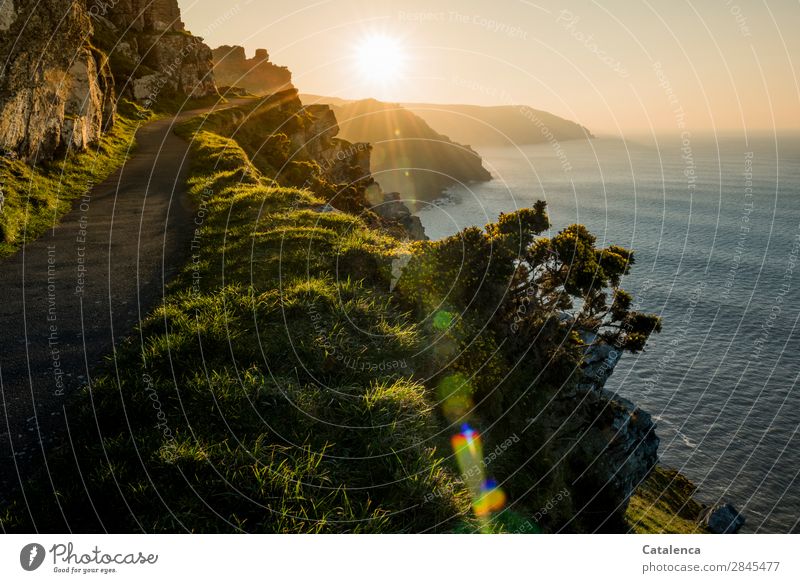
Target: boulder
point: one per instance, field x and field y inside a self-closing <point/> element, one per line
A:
<point x="723" y="519"/>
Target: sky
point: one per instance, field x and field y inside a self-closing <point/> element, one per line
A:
<point x="614" y="66"/>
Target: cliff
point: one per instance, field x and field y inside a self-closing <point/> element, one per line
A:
<point x="55" y="88"/>
<point x="67" y="63"/>
<point x="257" y="75"/>
<point x="298" y="145"/>
<point x="625" y="474"/>
<point x="151" y="53"/>
<point x="501" y="125"/>
<point x="409" y="156"/>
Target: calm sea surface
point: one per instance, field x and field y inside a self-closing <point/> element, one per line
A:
<point x="715" y="225"/>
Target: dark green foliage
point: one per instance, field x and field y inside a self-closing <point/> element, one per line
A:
<point x="519" y="310"/>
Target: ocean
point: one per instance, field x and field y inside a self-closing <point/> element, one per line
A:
<point x="715" y="226"/>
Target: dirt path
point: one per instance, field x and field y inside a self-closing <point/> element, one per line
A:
<point x="69" y="297"/>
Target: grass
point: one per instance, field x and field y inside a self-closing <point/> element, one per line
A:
<point x="663" y="504"/>
<point x="171" y="104"/>
<point x="36" y="197"/>
<point x="249" y="401"/>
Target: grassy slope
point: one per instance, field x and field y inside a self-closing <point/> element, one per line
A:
<point x="663" y="504"/>
<point x="261" y="427"/>
<point x="37" y="197"/>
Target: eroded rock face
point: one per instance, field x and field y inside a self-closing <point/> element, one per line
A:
<point x="631" y="444"/>
<point x="8" y="14"/>
<point x="139" y="15"/>
<point x="152" y="54"/>
<point x="607" y="442"/>
<point x="55" y="90"/>
<point x="66" y="59"/>
<point x="390" y="206"/>
<point x="257" y="75"/>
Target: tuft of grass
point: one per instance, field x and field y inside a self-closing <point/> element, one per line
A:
<point x="36" y="197"/>
<point x="664" y="504"/>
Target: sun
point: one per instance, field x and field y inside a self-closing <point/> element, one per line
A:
<point x="381" y="58"/>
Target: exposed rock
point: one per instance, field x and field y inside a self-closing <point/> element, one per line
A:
<point x="619" y="440"/>
<point x="318" y="141"/>
<point x="140" y="15"/>
<point x="631" y="451"/>
<point x="90" y="107"/>
<point x="151" y="52"/>
<point x="55" y="90"/>
<point x="7" y="14"/>
<point x="345" y="162"/>
<point x="608" y="445"/>
<point x="341" y="161"/>
<point x="392" y="208"/>
<point x="257" y="75"/>
<point x="58" y="87"/>
<point x="723" y="519"/>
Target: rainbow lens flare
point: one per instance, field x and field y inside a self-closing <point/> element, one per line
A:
<point x="487" y="497"/>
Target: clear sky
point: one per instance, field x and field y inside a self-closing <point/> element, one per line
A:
<point x="614" y="66"/>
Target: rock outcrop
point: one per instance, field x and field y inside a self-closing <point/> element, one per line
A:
<point x="723" y="519"/>
<point x="409" y="156"/>
<point x="55" y="88"/>
<point x="257" y="75"/>
<point x="66" y="62"/>
<point x="347" y="162"/>
<point x="608" y="445"/>
<point x="621" y="438"/>
<point x="151" y="53"/>
<point x="391" y="207"/>
<point x="631" y="451"/>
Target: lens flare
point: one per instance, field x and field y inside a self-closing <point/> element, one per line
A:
<point x="487" y="497"/>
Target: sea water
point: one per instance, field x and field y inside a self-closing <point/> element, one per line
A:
<point x="715" y="225"/>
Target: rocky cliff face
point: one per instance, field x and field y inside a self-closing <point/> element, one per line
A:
<point x="390" y="206"/>
<point x="582" y="438"/>
<point x="625" y="432"/>
<point x="55" y="88"/>
<point x="258" y="75"/>
<point x="410" y="156"/>
<point x="620" y="443"/>
<point x="348" y="162"/>
<point x="151" y="53"/>
<point x="66" y="63"/>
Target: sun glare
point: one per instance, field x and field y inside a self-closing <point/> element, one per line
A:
<point x="381" y="58"/>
